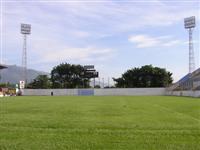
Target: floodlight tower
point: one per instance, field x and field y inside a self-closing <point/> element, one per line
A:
<point x="25" y="30"/>
<point x="190" y="25"/>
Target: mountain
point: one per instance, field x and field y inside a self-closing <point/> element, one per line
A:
<point x="13" y="74"/>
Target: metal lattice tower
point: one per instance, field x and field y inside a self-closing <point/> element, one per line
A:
<point x="191" y="52"/>
<point x="24" y="60"/>
<point x="25" y="30"/>
<point x="190" y="25"/>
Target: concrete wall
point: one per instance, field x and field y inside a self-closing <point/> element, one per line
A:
<point x="184" y="93"/>
<point x="111" y="91"/>
<point x="46" y="92"/>
<point x="130" y="91"/>
<point x="98" y="92"/>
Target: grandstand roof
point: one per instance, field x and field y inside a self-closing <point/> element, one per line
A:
<point x="187" y="81"/>
<point x="3" y="66"/>
<point x="196" y="72"/>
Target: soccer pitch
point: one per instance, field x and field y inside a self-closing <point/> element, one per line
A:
<point x="100" y="123"/>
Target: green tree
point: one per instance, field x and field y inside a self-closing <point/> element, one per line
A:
<point x="146" y="76"/>
<point x="97" y="86"/>
<point x="40" y="82"/>
<point x="68" y="76"/>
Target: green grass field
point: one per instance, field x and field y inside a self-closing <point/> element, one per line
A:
<point x="100" y="123"/>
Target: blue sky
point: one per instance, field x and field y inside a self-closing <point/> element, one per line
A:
<point x="112" y="35"/>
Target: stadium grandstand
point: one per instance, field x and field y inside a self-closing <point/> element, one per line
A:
<point x="2" y="66"/>
<point x="191" y="81"/>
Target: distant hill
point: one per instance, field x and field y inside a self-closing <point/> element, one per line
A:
<point x="13" y="74"/>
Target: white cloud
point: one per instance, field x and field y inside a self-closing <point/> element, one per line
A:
<point x="143" y="41"/>
<point x="80" y="34"/>
<point x="106" y="17"/>
<point x="146" y="41"/>
<point x="60" y="52"/>
<point x="172" y="43"/>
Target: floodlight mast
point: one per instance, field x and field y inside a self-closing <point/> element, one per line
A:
<point x="190" y="25"/>
<point x="24" y="60"/>
<point x="25" y="30"/>
<point x="191" y="52"/>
